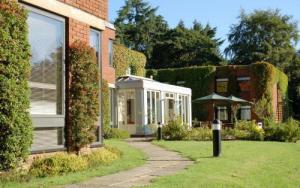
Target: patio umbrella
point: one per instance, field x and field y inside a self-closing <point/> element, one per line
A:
<point x="212" y="98"/>
<point x="237" y="100"/>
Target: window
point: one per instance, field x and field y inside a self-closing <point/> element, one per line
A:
<point x="46" y="37"/>
<point x="95" y="37"/>
<point x="222" y="85"/>
<point x="153" y="105"/>
<point x="111" y="52"/>
<point x="112" y="106"/>
<point x="245" y="113"/>
<point x="222" y="113"/>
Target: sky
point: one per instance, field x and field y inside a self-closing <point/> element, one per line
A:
<point x="218" y="13"/>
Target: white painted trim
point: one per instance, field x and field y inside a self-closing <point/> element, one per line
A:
<point x="222" y="79"/>
<point x="111" y="85"/>
<point x="71" y="12"/>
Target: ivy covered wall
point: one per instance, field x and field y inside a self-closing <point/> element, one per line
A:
<point x="125" y="58"/>
<point x="202" y="80"/>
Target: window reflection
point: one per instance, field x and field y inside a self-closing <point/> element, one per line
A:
<point x="46" y="37"/>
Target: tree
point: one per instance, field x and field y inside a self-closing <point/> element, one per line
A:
<point x="183" y="47"/>
<point x="139" y="27"/>
<point x="294" y="85"/>
<point x="264" y="35"/>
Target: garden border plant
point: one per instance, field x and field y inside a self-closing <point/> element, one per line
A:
<point x="84" y="96"/>
<point x="15" y="121"/>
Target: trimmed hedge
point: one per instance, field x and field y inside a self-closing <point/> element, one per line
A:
<point x="125" y="58"/>
<point x="15" y="122"/>
<point x="84" y="96"/>
<point x="201" y="80"/>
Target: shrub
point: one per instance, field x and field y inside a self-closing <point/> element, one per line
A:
<point x="15" y="122"/>
<point x="228" y="134"/>
<point x="175" y="130"/>
<point x="114" y="133"/>
<point x="62" y="163"/>
<point x="102" y="156"/>
<point x="201" y="134"/>
<point x="248" y="130"/>
<point x="283" y="132"/>
<point x="84" y="96"/>
<point x="58" y="164"/>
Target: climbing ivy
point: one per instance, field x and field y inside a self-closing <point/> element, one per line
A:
<point x="125" y="58"/>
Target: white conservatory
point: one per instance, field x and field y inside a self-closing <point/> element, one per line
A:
<point x="143" y="103"/>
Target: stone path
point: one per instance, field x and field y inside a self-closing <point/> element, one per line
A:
<point x="160" y="163"/>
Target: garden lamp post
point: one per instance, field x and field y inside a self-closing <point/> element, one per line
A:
<point x="216" y="129"/>
<point x="159" y="131"/>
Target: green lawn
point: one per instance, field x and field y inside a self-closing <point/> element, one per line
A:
<point x="131" y="158"/>
<point x="242" y="164"/>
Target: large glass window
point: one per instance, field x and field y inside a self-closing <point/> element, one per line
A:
<point x="95" y="43"/>
<point x="46" y="37"/>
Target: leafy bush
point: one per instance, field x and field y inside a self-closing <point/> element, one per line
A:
<point x="248" y="130"/>
<point x="15" y="122"/>
<point x="228" y="134"/>
<point x="202" y="134"/>
<point x="114" y="133"/>
<point x="283" y="132"/>
<point x="175" y="130"/>
<point x="58" y="164"/>
<point x="62" y="163"/>
<point x="84" y="96"/>
<point x="101" y="157"/>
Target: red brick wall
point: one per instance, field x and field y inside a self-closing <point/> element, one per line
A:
<point x="107" y="70"/>
<point x="98" y="8"/>
<point x="77" y="31"/>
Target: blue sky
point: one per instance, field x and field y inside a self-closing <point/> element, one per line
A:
<point x="218" y="13"/>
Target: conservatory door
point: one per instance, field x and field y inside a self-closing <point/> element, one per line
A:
<point x="170" y="112"/>
<point x="127" y="111"/>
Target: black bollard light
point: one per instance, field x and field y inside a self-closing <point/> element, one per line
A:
<point x="159" y="131"/>
<point x="216" y="129"/>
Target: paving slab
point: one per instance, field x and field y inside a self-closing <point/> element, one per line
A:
<point x="160" y="162"/>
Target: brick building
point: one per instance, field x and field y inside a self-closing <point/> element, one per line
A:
<point x="53" y="26"/>
<point x="248" y="82"/>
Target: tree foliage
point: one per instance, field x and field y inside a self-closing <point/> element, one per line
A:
<point x="84" y="95"/>
<point x="139" y="27"/>
<point x="182" y="47"/>
<point x="264" y="35"/>
<point x="15" y="122"/>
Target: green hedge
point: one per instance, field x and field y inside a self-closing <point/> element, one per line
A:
<point x="201" y="80"/>
<point x="84" y="95"/>
<point x="15" y="123"/>
<point x="125" y="58"/>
